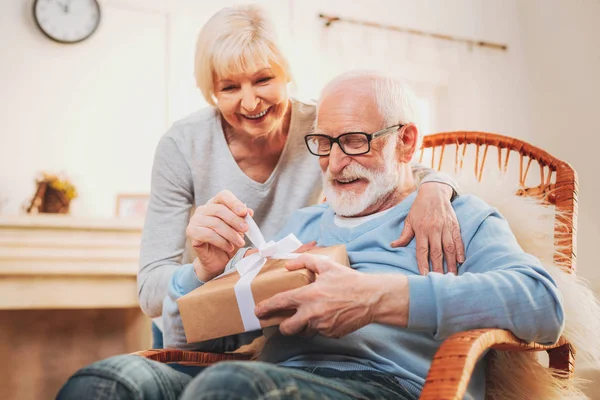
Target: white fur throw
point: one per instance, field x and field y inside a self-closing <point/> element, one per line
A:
<point x="519" y="375"/>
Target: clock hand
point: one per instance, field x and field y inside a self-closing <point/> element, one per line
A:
<point x="62" y="6"/>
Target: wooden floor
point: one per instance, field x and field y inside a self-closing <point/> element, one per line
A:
<point x="40" y="349"/>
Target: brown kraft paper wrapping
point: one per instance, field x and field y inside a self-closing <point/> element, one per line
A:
<point x="211" y="311"/>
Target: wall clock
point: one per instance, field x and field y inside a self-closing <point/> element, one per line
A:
<point x="67" y="21"/>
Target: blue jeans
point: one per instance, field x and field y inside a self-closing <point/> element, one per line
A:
<point x="134" y="377"/>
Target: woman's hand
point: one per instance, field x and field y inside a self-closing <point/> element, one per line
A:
<point x="433" y="221"/>
<point x="216" y="231"/>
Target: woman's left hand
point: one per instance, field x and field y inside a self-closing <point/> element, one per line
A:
<point x="433" y="221"/>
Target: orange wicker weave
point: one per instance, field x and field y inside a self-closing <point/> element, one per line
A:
<point x="453" y="363"/>
<point x="455" y="360"/>
<point x="189" y="357"/>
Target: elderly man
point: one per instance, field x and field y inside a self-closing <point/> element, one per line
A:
<point x="370" y="331"/>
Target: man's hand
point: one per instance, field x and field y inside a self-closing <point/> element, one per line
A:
<point x="433" y="221"/>
<point x="340" y="301"/>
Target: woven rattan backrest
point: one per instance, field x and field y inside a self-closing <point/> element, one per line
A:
<point x="557" y="179"/>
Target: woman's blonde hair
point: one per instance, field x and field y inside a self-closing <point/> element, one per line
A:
<point x="235" y="40"/>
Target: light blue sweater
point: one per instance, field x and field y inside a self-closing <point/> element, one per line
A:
<point x="498" y="286"/>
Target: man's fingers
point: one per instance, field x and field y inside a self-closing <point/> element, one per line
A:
<point x="435" y="251"/>
<point x="458" y="243"/>
<point x="281" y="301"/>
<point x="306" y="247"/>
<point x="449" y="251"/>
<point x="315" y="264"/>
<point x="308" y="331"/>
<point x="423" y="255"/>
<point x="294" y="265"/>
<point x="405" y="237"/>
<point x="228" y="199"/>
<point x="295" y="324"/>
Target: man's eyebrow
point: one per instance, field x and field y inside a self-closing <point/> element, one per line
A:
<point x="354" y="129"/>
<point x="348" y="130"/>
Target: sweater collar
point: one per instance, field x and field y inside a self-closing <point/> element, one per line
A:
<point x="395" y="214"/>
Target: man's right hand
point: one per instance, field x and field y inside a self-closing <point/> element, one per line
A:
<point x="216" y="231"/>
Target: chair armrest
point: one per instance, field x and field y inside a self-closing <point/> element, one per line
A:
<point x="455" y="360"/>
<point x="196" y="358"/>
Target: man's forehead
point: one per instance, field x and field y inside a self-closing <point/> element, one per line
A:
<point x="342" y="124"/>
<point x="347" y="115"/>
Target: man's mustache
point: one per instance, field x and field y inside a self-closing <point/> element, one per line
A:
<point x="350" y="172"/>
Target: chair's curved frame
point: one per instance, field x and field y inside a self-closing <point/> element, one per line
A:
<point x="197" y="358"/>
<point x="455" y="360"/>
<point x="562" y="192"/>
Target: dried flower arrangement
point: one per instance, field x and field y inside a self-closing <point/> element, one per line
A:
<point x="53" y="194"/>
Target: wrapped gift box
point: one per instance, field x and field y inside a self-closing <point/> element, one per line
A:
<point x="211" y="311"/>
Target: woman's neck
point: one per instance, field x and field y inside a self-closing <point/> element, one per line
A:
<point x="258" y="155"/>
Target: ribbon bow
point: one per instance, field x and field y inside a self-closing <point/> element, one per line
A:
<point x="250" y="266"/>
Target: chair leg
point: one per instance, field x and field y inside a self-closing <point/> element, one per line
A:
<point x="563" y="358"/>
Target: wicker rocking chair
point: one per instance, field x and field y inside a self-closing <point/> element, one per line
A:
<point x="455" y="360"/>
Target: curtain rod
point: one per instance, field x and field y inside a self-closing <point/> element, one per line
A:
<point x="330" y="19"/>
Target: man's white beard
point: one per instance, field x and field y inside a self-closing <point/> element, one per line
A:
<point x="347" y="203"/>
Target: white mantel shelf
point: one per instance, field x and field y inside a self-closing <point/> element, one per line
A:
<point x="62" y="221"/>
<point x="64" y="262"/>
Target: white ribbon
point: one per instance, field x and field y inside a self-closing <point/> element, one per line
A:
<point x="250" y="266"/>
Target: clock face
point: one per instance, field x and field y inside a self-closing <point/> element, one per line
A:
<point x="67" y="21"/>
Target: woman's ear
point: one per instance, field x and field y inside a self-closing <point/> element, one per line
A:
<point x="409" y="138"/>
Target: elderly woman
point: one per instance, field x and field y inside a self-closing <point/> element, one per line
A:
<point x="251" y="143"/>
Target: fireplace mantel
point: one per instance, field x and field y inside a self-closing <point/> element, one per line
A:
<point x="68" y="297"/>
<point x="64" y="262"/>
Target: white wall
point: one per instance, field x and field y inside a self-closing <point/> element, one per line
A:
<point x="93" y="110"/>
<point x="562" y="43"/>
<point x="478" y="85"/>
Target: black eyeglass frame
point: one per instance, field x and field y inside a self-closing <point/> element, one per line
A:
<point x="370" y="137"/>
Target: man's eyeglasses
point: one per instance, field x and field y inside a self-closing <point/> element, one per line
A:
<point x="351" y="143"/>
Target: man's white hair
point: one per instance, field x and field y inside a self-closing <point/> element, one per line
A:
<point x="396" y="102"/>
